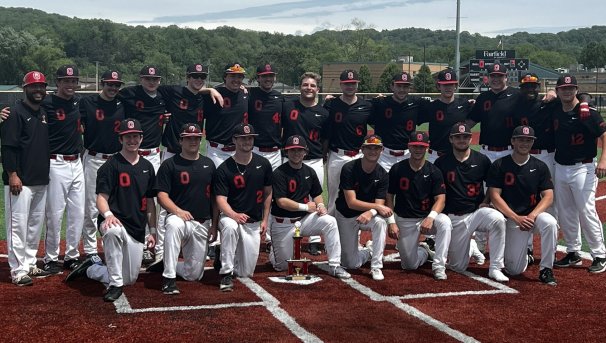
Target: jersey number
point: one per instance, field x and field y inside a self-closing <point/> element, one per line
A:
<point x="276" y="118"/>
<point x="577" y="139"/>
<point x="259" y="197"/>
<point x="473" y="189"/>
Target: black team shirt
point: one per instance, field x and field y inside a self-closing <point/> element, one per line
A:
<point x="537" y="115"/>
<point x="101" y="120"/>
<point x="368" y="187"/>
<point x="494" y="112"/>
<point x="347" y="123"/>
<point x="185" y="107"/>
<point x="295" y="184"/>
<point x="220" y="121"/>
<point x="414" y="190"/>
<point x="441" y="117"/>
<point x="128" y="187"/>
<point x="63" y="118"/>
<point x="264" y="114"/>
<point x="149" y="111"/>
<point x="308" y="122"/>
<point x="575" y="136"/>
<point x="394" y="121"/>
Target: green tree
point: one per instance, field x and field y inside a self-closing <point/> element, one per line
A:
<point x="384" y="84"/>
<point x="593" y="55"/>
<point x="423" y="81"/>
<point x="365" y="85"/>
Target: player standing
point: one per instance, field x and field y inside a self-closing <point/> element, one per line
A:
<point x="125" y="198"/>
<point x="294" y="183"/>
<point x="465" y="172"/>
<point x="417" y="196"/>
<point x="361" y="206"/>
<point x="184" y="185"/>
<point x="519" y="185"/>
<point x="25" y="164"/>
<point x="100" y="115"/>
<point x="243" y="190"/>
<point x="576" y="133"/>
<point x="66" y="186"/>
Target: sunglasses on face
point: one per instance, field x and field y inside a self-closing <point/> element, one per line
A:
<point x="198" y="76"/>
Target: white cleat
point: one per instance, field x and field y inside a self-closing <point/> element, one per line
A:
<point x="497" y="275"/>
<point x="475" y="253"/>
<point x="440" y="274"/>
<point x="377" y="274"/>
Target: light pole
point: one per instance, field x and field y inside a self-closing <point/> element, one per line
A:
<point x="458" y="51"/>
<point x="96" y="76"/>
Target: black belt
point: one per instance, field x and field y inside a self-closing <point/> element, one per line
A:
<point x="587" y="160"/>
<point x="223" y="146"/>
<point x="437" y="152"/>
<point x="496" y="148"/>
<point x="98" y="154"/>
<point x="291" y="220"/>
<point x="538" y="151"/>
<point x="270" y="149"/>
<point x="65" y="157"/>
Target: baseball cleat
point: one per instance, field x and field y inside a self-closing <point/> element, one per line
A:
<point x="571" y="259"/>
<point x="430" y="253"/>
<point x="497" y="275"/>
<point x="70" y="264"/>
<point x="338" y="272"/>
<point x="314" y="249"/>
<point x="38" y="273"/>
<point x="148" y="256"/>
<point x="112" y="294"/>
<point x="377" y="274"/>
<point x="23" y="280"/>
<point x="80" y="269"/>
<point x="530" y="257"/>
<point x="598" y="265"/>
<point x="440" y="274"/>
<point x="169" y="286"/>
<point x="546" y="277"/>
<point x="476" y="254"/>
<point x="227" y="283"/>
<point x="156" y="267"/>
<point x="53" y="267"/>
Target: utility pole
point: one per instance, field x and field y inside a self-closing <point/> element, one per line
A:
<point x="97" y="76"/>
<point x="458" y="48"/>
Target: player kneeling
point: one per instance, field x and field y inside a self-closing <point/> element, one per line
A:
<point x="417" y="196"/>
<point x="293" y="184"/>
<point x="520" y="186"/>
<point x="125" y="198"/>
<point x="184" y="186"/>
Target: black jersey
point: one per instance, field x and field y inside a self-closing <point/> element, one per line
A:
<point x="347" y="123"/>
<point x="220" y="121"/>
<point x="441" y="118"/>
<point x="308" y="122"/>
<point x="521" y="185"/>
<point x="537" y="115"/>
<point x="63" y="118"/>
<point x="415" y="190"/>
<point x="494" y="112"/>
<point x="243" y="185"/>
<point x="368" y="187"/>
<point x="464" y="181"/>
<point x="296" y="184"/>
<point x="101" y="120"/>
<point x="25" y="134"/>
<point x="185" y="107"/>
<point x="188" y="184"/>
<point x="264" y="114"/>
<point x="575" y="137"/>
<point x="128" y="187"/>
<point x="149" y="111"/>
<point x="394" y="121"/>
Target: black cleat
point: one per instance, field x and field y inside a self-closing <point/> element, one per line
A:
<point x="598" y="265"/>
<point x="530" y="257"/>
<point x="546" y="277"/>
<point x="112" y="294"/>
<point x="23" y="280"/>
<point x="80" y="269"/>
<point x="53" y="267"/>
<point x="314" y="249"/>
<point x="571" y="259"/>
<point x="71" y="264"/>
<point x="35" y="272"/>
<point x="169" y="286"/>
<point x="156" y="267"/>
<point x="227" y="283"/>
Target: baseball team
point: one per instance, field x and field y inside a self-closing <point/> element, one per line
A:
<point x="125" y="164"/>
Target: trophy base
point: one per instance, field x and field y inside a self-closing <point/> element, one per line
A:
<point x="298" y="277"/>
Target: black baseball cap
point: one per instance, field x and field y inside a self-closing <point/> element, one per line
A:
<point x="460" y="129"/>
<point x="402" y="77"/>
<point x="244" y="130"/>
<point x="295" y="142"/>
<point x="523" y="131"/>
<point x="266" y="69"/>
<point x="196" y="69"/>
<point x="111" y="76"/>
<point x="372" y="139"/>
<point x="497" y="68"/>
<point x="567" y="80"/>
<point x="67" y="71"/>
<point x="349" y="76"/>
<point x="190" y="130"/>
<point x="529" y="78"/>
<point x="234" y="68"/>
<point x="149" y="71"/>
<point x="419" y="138"/>
<point x="129" y="125"/>
<point x="447" y="76"/>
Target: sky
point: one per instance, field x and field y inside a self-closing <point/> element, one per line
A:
<point x="488" y="18"/>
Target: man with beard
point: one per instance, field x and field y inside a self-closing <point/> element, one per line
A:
<point x="25" y="162"/>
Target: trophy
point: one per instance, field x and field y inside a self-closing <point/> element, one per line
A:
<point x="298" y="267"/>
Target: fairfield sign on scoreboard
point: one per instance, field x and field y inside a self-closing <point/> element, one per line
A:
<point x="478" y="67"/>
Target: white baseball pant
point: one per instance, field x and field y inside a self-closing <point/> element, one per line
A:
<point x="274" y="157"/>
<point x="495" y="155"/>
<point x="217" y="155"/>
<point x="161" y="229"/>
<point x="123" y="256"/>
<point x="411" y="254"/>
<point x="390" y="157"/>
<point x="239" y="246"/>
<point x="153" y="155"/>
<point x="484" y="219"/>
<point x="23" y="217"/>
<point x="548" y="158"/>
<point x="333" y="169"/>
<point x="574" y="189"/>
<point x="516" y="258"/>
<point x="311" y="224"/>
<point x="351" y="256"/>
<point x="65" y="194"/>
<point x="89" y="231"/>
<point x="192" y="238"/>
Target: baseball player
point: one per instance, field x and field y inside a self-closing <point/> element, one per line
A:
<point x="100" y="115"/>
<point x="66" y="185"/>
<point x="184" y="184"/>
<point x="465" y="172"/>
<point x="394" y="118"/>
<point x="220" y="121"/>
<point x="361" y="206"/>
<point x="346" y="128"/>
<point x="519" y="185"/>
<point x="576" y="133"/>
<point x="294" y="183"/>
<point x="125" y="198"/>
<point x="264" y="113"/>
<point x="417" y="195"/>
<point x="25" y="163"/>
<point x="305" y="117"/>
<point x="243" y="189"/>
<point x="443" y="113"/>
